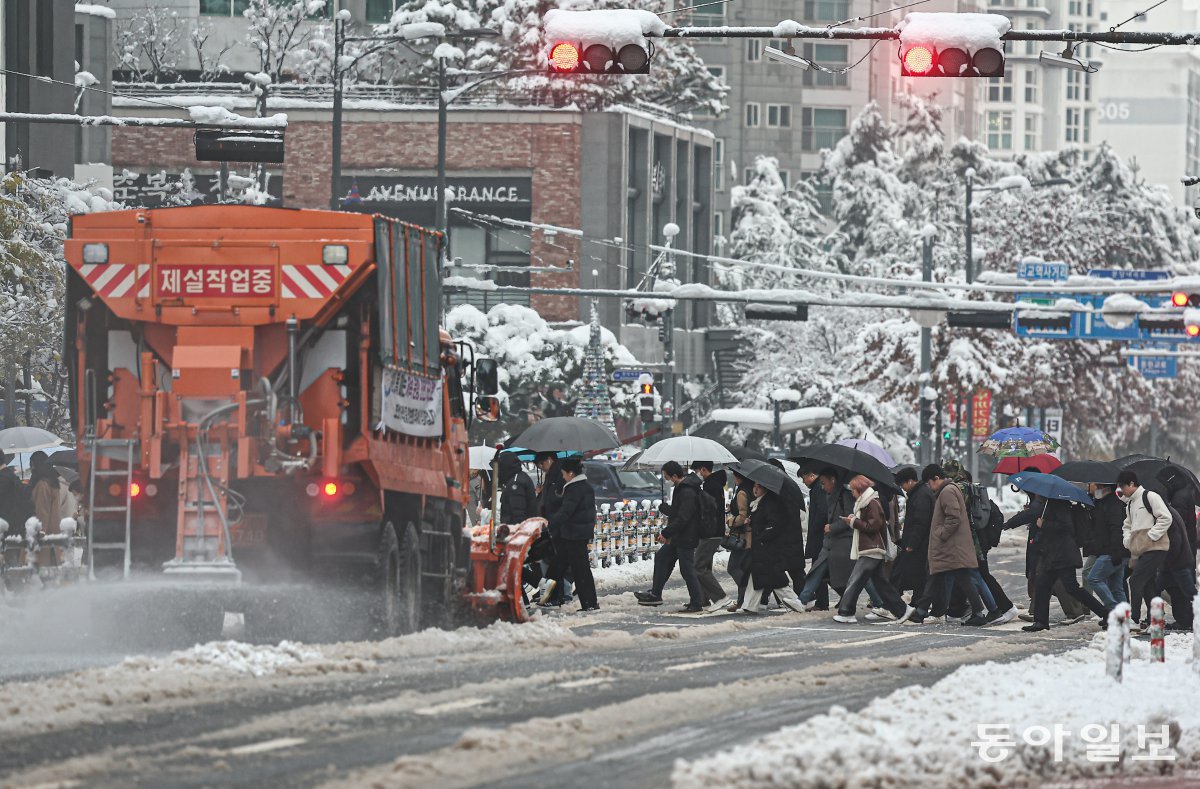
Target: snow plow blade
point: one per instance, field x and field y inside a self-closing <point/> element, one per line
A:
<point x="497" y="570"/>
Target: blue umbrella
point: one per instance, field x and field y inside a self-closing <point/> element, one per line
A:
<point x="1049" y="486"/>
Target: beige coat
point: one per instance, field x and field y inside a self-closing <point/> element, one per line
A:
<point x="950" y="543"/>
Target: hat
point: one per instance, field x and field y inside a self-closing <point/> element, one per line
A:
<point x="954" y="469"/>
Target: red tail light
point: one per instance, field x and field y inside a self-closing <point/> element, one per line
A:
<point x="330" y="489"/>
<point x="135" y="490"/>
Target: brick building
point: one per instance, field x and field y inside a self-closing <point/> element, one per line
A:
<point x="620" y="174"/>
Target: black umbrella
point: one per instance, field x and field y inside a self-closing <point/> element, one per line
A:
<point x="1095" y="471"/>
<point x="1155" y="473"/>
<point x="567" y="433"/>
<point x="746" y="453"/>
<point x="847" y="459"/>
<point x="770" y="477"/>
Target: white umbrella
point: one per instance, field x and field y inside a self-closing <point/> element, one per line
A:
<point x="683" y="450"/>
<point x="27" y="439"/>
<point x="480" y="458"/>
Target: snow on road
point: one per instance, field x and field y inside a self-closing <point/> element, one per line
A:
<point x="922" y="736"/>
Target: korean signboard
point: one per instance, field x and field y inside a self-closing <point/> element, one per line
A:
<point x="412" y="404"/>
<point x="173" y="281"/>
<point x="981" y="415"/>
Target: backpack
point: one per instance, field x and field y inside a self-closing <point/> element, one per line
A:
<point x="1176" y="518"/>
<point x="712" y="517"/>
<point x="979" y="508"/>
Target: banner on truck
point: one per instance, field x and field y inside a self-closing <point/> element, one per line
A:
<point x="412" y="404"/>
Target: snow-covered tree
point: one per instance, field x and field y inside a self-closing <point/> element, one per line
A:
<point x="149" y="42"/>
<point x="33" y="225"/>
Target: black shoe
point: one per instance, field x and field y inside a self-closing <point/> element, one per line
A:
<point x="590" y="608"/>
<point x="648" y="598"/>
<point x="1036" y="627"/>
<point x="821" y="608"/>
<point x="995" y="616"/>
<point x="1175" y="626"/>
<point x="976" y="620"/>
<point x="691" y="609"/>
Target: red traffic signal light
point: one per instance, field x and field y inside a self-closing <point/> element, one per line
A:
<point x="926" y="60"/>
<point x="1183" y="299"/>
<point x="1192" y="330"/>
<point x="569" y="58"/>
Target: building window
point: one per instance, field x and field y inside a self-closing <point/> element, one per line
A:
<point x="717" y="71"/>
<point x="824" y="192"/>
<point x="1031" y="86"/>
<point x="1000" y="88"/>
<point x="826" y="10"/>
<point x="1074" y="85"/>
<point x="823" y="127"/>
<point x="1031" y="132"/>
<point x="1193" y="124"/>
<point x="1003" y="3"/>
<point x="380" y="11"/>
<point x="1031" y="47"/>
<point x="999" y="131"/>
<point x="753" y="50"/>
<point x="719" y="165"/>
<point x="779" y="116"/>
<point x="748" y="175"/>
<point x="1087" y="125"/>
<point x="786" y="178"/>
<point x="1074" y="7"/>
<point x="718" y="223"/>
<point x="832" y="56"/>
<point x="753" y="111"/>
<point x="1072" y="126"/>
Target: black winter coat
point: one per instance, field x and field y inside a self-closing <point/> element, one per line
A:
<point x="918" y="519"/>
<point x="1056" y="538"/>
<point x="683" y="513"/>
<point x="818" y="516"/>
<point x="769" y="523"/>
<point x="575" y="517"/>
<point x="840" y="538"/>
<point x="1180" y="555"/>
<point x="552" y="491"/>
<point x="518" y="501"/>
<point x="1184" y="501"/>
<point x="1107" y="519"/>
<point x="1028" y="517"/>
<point x="15" y="505"/>
<point x="715" y="487"/>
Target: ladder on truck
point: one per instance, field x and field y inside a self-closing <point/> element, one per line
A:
<point x="111" y="448"/>
<point x="204" y="550"/>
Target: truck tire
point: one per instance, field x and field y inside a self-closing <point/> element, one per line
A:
<point x="397" y="593"/>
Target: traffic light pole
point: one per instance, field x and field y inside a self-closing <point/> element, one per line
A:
<point x="788" y="30"/>
<point x="926" y="360"/>
<point x="970" y="253"/>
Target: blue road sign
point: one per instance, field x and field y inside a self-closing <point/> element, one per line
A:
<point x="1136" y="275"/>
<point x="1155" y="367"/>
<point x="1041" y="270"/>
<point x="628" y="376"/>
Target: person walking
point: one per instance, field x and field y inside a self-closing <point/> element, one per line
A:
<point x="1178" y="579"/>
<point x="911" y="567"/>
<point x="1144" y="535"/>
<point x="1183" y="499"/>
<point x="712" y="531"/>
<point x="679" y="540"/>
<point x="818" y="574"/>
<point x="1059" y="561"/>
<point x="518" y="499"/>
<point x="45" y="493"/>
<point x="868" y="550"/>
<point x="839" y="536"/>
<point x="15" y="505"/>
<point x="1107" y="574"/>
<point x="739" y="526"/>
<point x="572" y="527"/>
<point x="769" y="521"/>
<point x="951" y="552"/>
<point x="818" y="518"/>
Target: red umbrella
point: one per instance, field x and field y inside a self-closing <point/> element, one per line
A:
<point x="1043" y="463"/>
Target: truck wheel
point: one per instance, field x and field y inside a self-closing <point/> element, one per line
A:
<point x="398" y="587"/>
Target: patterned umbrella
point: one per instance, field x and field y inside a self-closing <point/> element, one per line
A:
<point x="1019" y="442"/>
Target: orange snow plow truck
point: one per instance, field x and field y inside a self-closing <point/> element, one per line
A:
<point x="264" y="400"/>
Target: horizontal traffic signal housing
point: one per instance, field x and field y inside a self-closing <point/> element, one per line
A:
<point x="1182" y="298"/>
<point x="927" y="60"/>
<point x="979" y="320"/>
<point x="570" y="57"/>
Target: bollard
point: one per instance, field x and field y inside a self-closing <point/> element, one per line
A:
<point x="1196" y="634"/>
<point x="1116" y="643"/>
<point x="1158" y="627"/>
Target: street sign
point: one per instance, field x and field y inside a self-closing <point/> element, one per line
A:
<point x="1040" y="270"/>
<point x="1155" y="367"/>
<point x="628" y="376"/>
<point x="1052" y="424"/>
<point x="1134" y="275"/>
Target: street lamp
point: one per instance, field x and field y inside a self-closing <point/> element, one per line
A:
<point x="969" y="178"/>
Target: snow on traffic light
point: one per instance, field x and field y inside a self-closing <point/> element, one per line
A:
<point x="600" y="42"/>
<point x="952" y="45"/>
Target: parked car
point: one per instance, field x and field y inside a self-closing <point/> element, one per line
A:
<point x="611" y="484"/>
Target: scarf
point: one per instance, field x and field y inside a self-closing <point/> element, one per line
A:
<point x="869" y="495"/>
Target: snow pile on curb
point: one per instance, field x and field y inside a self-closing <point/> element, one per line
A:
<point x="232" y="656"/>
<point x="922" y="736"/>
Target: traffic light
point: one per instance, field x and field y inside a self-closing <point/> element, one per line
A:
<point x="599" y="42"/>
<point x="646" y="399"/>
<point x="947" y="435"/>
<point x="952" y="45"/>
<point x="1184" y="299"/>
<point x="225" y="145"/>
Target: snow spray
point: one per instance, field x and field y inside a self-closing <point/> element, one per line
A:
<point x="1157" y="631"/>
<point x="1116" y="641"/>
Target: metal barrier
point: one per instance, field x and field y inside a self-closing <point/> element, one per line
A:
<point x="626" y="532"/>
<point x="37" y="559"/>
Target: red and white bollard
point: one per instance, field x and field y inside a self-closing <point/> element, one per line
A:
<point x="1116" y="645"/>
<point x="1158" y="629"/>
